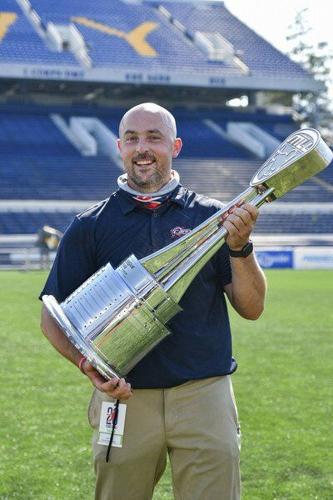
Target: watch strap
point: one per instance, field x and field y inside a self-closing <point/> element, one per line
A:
<point x="244" y="252"/>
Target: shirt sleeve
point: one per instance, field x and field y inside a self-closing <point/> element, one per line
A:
<point x="75" y="261"/>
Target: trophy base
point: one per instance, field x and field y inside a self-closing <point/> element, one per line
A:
<point x="76" y="339"/>
<point x="115" y="317"/>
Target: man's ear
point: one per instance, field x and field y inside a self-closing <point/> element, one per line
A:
<point x="119" y="145"/>
<point x="177" y="146"/>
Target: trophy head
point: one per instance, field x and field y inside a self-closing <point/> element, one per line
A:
<point x="302" y="155"/>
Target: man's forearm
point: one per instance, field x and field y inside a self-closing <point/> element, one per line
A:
<point x="58" y="339"/>
<point x="248" y="288"/>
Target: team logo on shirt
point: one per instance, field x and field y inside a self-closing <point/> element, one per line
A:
<point x="178" y="232"/>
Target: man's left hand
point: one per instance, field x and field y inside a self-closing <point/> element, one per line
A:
<point x="240" y="223"/>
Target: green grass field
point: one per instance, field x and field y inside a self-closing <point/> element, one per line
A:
<point x="284" y="390"/>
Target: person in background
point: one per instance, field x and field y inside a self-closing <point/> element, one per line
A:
<point x="48" y="239"/>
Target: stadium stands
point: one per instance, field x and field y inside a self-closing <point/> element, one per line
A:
<point x="60" y="177"/>
<point x="279" y="126"/>
<point x="225" y="178"/>
<point x="30" y="222"/>
<point x="106" y="26"/>
<point x="21" y="43"/>
<point x="137" y="42"/>
<point x="50" y="167"/>
<point x="257" y="54"/>
<point x="41" y="170"/>
<point x="313" y="223"/>
<point x="39" y="163"/>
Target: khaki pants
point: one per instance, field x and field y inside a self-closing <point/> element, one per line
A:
<point x="195" y="423"/>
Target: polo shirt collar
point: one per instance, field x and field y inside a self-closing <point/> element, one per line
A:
<point x="179" y="196"/>
<point x="128" y="204"/>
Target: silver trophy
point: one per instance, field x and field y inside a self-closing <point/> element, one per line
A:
<point x="118" y="315"/>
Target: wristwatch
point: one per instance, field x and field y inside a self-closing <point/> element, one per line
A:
<point x="244" y="252"/>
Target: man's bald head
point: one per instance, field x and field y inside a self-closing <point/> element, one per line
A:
<point x="155" y="110"/>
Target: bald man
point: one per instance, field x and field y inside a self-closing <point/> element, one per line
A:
<point x="178" y="400"/>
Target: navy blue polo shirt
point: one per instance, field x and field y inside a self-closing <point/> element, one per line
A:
<point x="200" y="343"/>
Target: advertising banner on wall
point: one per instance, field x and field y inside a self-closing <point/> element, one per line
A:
<point x="313" y="258"/>
<point x="271" y="258"/>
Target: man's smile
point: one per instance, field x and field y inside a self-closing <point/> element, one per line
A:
<point x="144" y="161"/>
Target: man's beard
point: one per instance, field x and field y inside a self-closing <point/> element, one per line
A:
<point x="150" y="185"/>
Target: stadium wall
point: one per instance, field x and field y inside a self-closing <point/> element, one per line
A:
<point x="268" y="257"/>
<point x="295" y="258"/>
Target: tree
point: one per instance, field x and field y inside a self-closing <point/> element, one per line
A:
<point x="314" y="108"/>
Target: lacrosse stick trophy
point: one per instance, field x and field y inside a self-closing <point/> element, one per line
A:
<point x="118" y="315"/>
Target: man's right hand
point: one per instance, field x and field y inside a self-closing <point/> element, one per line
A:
<point x="117" y="388"/>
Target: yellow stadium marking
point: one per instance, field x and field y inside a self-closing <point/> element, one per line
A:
<point x="6" y="20"/>
<point x="135" y="38"/>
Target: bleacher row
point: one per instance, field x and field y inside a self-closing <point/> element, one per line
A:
<point x="39" y="163"/>
<point x="29" y="223"/>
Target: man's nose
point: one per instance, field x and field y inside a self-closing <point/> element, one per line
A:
<point x="141" y="145"/>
